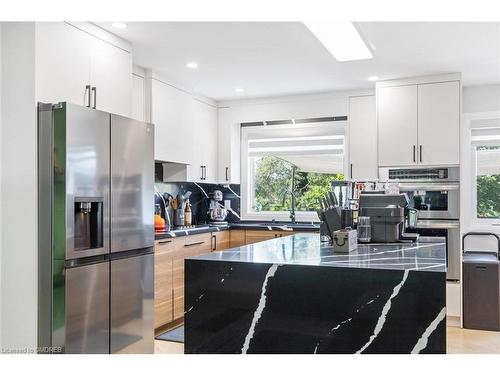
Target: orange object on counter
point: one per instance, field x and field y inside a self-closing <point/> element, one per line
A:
<point x="159" y="223"/>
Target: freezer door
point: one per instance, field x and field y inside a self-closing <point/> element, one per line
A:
<point x="132" y="296"/>
<point x="87" y="309"/>
<point x="81" y="164"/>
<point x="132" y="179"/>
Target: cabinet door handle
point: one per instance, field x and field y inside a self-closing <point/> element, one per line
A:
<point x="94" y="91"/>
<point x="351" y="171"/>
<point x="227" y="170"/>
<point x="164" y="242"/>
<point x="420" y="153"/>
<point x="194" y="244"/>
<point x="414" y="153"/>
<point x="214" y="241"/>
<point x="87" y="95"/>
<point x="201" y="172"/>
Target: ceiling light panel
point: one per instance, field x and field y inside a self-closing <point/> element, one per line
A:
<point x="341" y="39"/>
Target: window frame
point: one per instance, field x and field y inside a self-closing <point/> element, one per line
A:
<point x="247" y="193"/>
<point x="470" y="176"/>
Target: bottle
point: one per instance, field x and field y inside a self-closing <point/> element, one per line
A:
<point x="187" y="214"/>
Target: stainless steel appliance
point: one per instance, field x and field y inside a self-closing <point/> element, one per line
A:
<point x="435" y="193"/>
<point x="389" y="216"/>
<point x="96" y="231"/>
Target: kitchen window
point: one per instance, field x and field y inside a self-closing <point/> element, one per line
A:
<point x="486" y="172"/>
<point x="281" y="160"/>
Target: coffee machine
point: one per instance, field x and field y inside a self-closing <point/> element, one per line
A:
<point x="389" y="216"/>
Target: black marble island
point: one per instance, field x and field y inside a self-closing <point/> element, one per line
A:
<point x="296" y="295"/>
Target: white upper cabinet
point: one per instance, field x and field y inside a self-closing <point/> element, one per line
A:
<point x="228" y="148"/>
<point x="397" y="125"/>
<point x="204" y="167"/>
<point x="62" y="63"/>
<point x="419" y="124"/>
<point x="69" y="60"/>
<point x="172" y="115"/>
<point x="439" y="123"/>
<point x="362" y="138"/>
<point x="111" y="77"/>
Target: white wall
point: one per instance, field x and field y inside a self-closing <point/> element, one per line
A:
<point x="18" y="187"/>
<point x="481" y="98"/>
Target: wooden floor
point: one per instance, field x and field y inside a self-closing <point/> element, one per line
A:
<point x="460" y="341"/>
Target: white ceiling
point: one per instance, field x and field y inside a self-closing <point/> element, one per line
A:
<point x="275" y="58"/>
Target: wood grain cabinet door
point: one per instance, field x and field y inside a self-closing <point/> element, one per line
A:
<point x="253" y="236"/>
<point x="163" y="282"/>
<point x="220" y="240"/>
<point x="186" y="247"/>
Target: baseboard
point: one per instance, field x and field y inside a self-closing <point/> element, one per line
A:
<point x="453" y="321"/>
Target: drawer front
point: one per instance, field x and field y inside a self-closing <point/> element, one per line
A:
<point x="197" y="244"/>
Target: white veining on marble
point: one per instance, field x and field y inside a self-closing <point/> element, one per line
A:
<point x="194" y="303"/>
<point x="424" y="339"/>
<point x="260" y="308"/>
<point x="385" y="311"/>
<point x="344" y="322"/>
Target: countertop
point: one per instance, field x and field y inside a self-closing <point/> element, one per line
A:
<point x="429" y="254"/>
<point x="298" y="227"/>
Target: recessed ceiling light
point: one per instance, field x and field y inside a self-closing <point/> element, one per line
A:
<point x="372" y="78"/>
<point x="341" y="39"/>
<point x="119" y="25"/>
<point x="192" y="65"/>
<point x="239" y="89"/>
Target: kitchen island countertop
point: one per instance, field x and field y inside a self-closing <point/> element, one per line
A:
<point x="428" y="254"/>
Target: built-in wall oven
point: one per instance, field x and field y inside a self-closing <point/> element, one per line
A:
<point x="435" y="193"/>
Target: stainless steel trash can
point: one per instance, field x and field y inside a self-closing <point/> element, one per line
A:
<point x="481" y="286"/>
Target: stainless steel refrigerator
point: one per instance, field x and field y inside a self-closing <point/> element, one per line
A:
<point x="96" y="231"/>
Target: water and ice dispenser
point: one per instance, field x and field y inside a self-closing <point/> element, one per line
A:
<point x="88" y="216"/>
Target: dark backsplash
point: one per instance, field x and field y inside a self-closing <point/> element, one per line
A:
<point x="199" y="203"/>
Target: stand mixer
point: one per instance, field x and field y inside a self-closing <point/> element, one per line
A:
<point x="217" y="212"/>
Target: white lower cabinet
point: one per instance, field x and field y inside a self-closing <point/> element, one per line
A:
<point x="70" y="62"/>
<point x="362" y="138"/>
